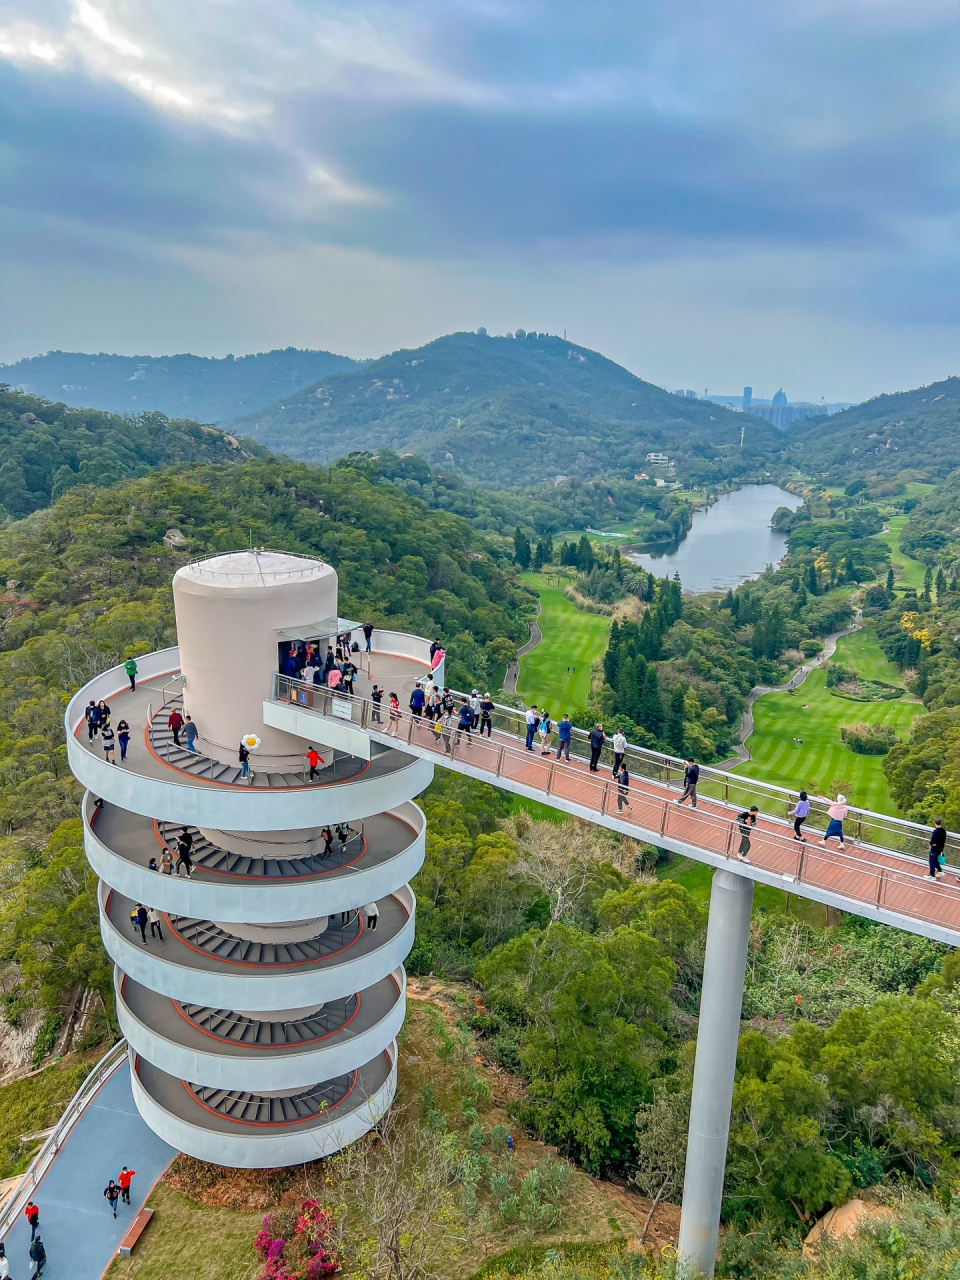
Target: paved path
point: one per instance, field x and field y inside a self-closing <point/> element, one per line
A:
<point x="78" y="1229"/>
<point x="513" y="670"/>
<point x="747" y="723"/>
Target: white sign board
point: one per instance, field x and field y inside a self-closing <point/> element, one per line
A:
<point x="343" y="709"/>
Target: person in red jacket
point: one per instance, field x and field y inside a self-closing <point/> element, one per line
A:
<point x="175" y="724"/>
<point x="124" y="1178"/>
<point x="32" y="1215"/>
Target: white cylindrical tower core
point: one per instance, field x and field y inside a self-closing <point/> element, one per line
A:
<point x="229" y="609"/>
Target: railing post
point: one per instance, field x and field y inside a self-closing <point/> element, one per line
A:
<point x="550" y="774"/>
<point x="499" y="769"/>
<point x="663" y="816"/>
<point x="603" y="798"/>
<point x="881" y="880"/>
<point x="803" y="851"/>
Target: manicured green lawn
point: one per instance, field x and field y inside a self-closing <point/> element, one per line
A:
<point x="571" y="638"/>
<point x="823" y="758"/>
<point x="907" y="571"/>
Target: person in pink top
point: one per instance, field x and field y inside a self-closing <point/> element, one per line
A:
<point x="836" y="812"/>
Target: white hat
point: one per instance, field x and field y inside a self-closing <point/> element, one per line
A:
<point x="841" y="799"/>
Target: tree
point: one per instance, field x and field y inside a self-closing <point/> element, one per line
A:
<point x="628" y="694"/>
<point x="673" y="731"/>
<point x="890" y="582"/>
<point x="941" y="583"/>
<point x="927" y="584"/>
<point x="812" y="584"/>
<point x="650" y="714"/>
<point x="521" y="548"/>
<point x="774" y="637"/>
<point x="544" y="552"/>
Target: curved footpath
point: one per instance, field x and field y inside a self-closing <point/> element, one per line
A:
<point x="747" y="723"/>
<point x="513" y="670"/>
<point x="78" y="1230"/>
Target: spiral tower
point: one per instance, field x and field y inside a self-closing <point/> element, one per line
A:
<point x="261" y="1007"/>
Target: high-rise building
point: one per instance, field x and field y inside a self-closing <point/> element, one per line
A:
<point x="254" y="893"/>
<point x="747" y="397"/>
<point x="780" y="397"/>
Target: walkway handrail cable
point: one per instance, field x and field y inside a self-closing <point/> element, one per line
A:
<point x="45" y="1157"/>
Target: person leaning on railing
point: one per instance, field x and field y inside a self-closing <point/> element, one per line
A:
<point x="564" y="734"/>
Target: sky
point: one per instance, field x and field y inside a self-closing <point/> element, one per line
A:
<point x="713" y="195"/>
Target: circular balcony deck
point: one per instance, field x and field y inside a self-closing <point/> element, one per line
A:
<point x="200" y="962"/>
<point x="225" y="886"/>
<point x="233" y="1051"/>
<point x="248" y="1131"/>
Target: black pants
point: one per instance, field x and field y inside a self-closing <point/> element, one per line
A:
<point x="314" y="772"/>
<point x="143" y="931"/>
<point x="91" y="730"/>
<point x="372" y="923"/>
<point x="797" y="824"/>
<point x="125" y="1194"/>
<point x="594" y="757"/>
<point x="934" y="864"/>
<point x="133" y="684"/>
<point x="744" y="845"/>
<point x="689" y="790"/>
<point x="617" y="762"/>
<point x="623" y="799"/>
<point x="184" y="860"/>
<point x="34" y="1224"/>
<point x="176" y="735"/>
<point x="563" y="748"/>
<point x="155" y="930"/>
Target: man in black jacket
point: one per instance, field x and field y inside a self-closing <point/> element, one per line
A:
<point x="691" y="776"/>
<point x="597" y="739"/>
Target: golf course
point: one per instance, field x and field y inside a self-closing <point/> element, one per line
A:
<point x="556" y="674"/>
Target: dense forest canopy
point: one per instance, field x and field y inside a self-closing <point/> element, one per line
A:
<point x="46" y="449"/>
<point x="182" y="386"/>
<point x="513" y="410"/>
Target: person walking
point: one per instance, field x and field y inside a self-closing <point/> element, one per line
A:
<point x="124" y="1178"/>
<point x="314" y="761"/>
<point x="938" y="842"/>
<point x="130" y="667"/>
<point x="38" y="1254"/>
<point x="376" y="697"/>
<point x="746" y="821"/>
<point x="464" y="723"/>
<point x="836" y="813"/>
<point x="123" y="737"/>
<point x="32" y="1214"/>
<point x="597" y="739"/>
<point x="153" y="915"/>
<point x="623" y="789"/>
<point x="184" y="846"/>
<point x="799" y="813"/>
<point x="417" y="699"/>
<point x="343" y="835"/>
<point x="166" y="862"/>
<point x="175" y="724"/>
<point x="112" y="1194"/>
<point x="103" y="709"/>
<point x="140" y="921"/>
<point x="564" y="734"/>
<point x="394" y="724"/>
<point x="691" y="776"/>
<point x="92" y="716"/>
<point x="190" y="735"/>
<point x="326" y="835"/>
<point x="532" y="720"/>
<point x="372" y="912"/>
<point x="367" y="633"/>
<point x="446" y="723"/>
<point x="243" y="756"/>
<point x="619" y="750"/>
<point x="109" y="740"/>
<point x="486" y="715"/>
<point x="4" y="1264"/>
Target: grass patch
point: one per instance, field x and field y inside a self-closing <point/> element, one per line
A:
<point x="570" y="639"/>
<point x="537" y="811"/>
<point x="907" y="571"/>
<point x="823" y="757"/>
<point x="35" y="1103"/>
<point x="190" y="1239"/>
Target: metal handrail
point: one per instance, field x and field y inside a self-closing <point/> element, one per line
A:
<point x="241" y="577"/>
<point x="795" y="860"/>
<point x="45" y="1157"/>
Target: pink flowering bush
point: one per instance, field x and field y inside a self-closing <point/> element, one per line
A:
<point x="298" y="1246"/>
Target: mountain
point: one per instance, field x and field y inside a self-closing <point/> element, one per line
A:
<point x="511" y="410"/>
<point x="47" y="449"/>
<point x="910" y="430"/>
<point x="180" y="386"/>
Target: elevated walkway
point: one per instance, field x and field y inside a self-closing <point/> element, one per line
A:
<point x="881" y="874"/>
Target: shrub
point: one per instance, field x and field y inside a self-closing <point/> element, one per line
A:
<point x="298" y="1246"/>
<point x="869" y="739"/>
<point x="838" y="674"/>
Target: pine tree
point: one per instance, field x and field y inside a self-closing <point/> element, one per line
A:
<point x="628" y="695"/>
<point x="927" y="584"/>
<point x="544" y="552"/>
<point x="650" y="714"/>
<point x="941" y="583"/>
<point x="774" y="637"/>
<point x="674" y="726"/>
<point x="759" y="643"/>
<point x="521" y="548"/>
<point x="611" y="659"/>
<point x="812" y="585"/>
<point x="890" y="582"/>
<point x="584" y="554"/>
<point x="799" y="602"/>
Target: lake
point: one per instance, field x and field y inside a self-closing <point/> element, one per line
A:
<point x="728" y="542"/>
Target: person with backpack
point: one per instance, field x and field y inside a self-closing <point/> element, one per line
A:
<point x="32" y="1214"/>
<point x="465" y="723"/>
<point x="130" y="667"/>
<point x="124" y="1178"/>
<point x="545" y="731"/>
<point x="486" y="715"/>
<point x="38" y="1254"/>
<point x="564" y="734"/>
<point x="112" y="1195"/>
<point x="938" y="842"/>
<point x="691" y="776"/>
<point x="367" y="633"/>
<point x="799" y="813"/>
<point x="746" y="821"/>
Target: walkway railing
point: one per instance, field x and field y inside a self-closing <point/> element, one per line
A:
<point x="48" y="1152"/>
<point x="883" y="866"/>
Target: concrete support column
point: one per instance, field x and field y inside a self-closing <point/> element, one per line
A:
<point x="728" y="934"/>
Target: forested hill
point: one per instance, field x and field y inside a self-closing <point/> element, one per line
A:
<point x="181" y="386"/>
<point x="511" y="410"/>
<point x="47" y="448"/>
<point x="911" y="430"/>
